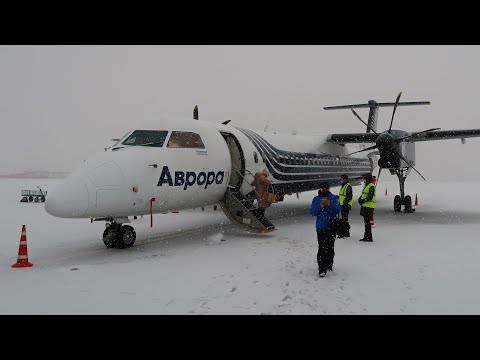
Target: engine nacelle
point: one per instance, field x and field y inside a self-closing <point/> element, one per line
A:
<point x="391" y="160"/>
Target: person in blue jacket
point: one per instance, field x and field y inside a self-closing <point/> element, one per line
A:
<point x="325" y="207"/>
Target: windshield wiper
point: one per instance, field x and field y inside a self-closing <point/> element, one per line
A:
<point x="152" y="143"/>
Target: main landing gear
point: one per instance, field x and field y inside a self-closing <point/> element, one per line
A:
<point x="119" y="236"/>
<point x="401" y="199"/>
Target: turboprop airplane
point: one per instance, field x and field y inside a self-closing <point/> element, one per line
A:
<point x="184" y="164"/>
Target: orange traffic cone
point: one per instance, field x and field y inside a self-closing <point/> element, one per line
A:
<point x="386" y="192"/>
<point x="372" y="223"/>
<point x="22" y="260"/>
<point x="416" y="200"/>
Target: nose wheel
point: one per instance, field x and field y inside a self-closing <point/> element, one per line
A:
<point x="119" y="236"/>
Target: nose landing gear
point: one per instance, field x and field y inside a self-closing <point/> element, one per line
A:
<point x="119" y="236"/>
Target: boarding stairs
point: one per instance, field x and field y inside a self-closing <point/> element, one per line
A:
<point x="242" y="211"/>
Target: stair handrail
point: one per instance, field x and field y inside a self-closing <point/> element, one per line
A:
<point x="243" y="178"/>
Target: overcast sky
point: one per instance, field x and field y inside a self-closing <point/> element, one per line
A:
<point x="61" y="104"/>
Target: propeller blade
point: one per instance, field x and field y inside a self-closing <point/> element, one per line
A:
<point x="394" y="109"/>
<point x="359" y="118"/>
<point x="379" y="172"/>
<point x="369" y="148"/>
<point x="195" y="112"/>
<point x="410" y="165"/>
<point x="420" y="132"/>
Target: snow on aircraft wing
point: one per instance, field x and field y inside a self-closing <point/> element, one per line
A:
<point x="445" y="135"/>
<point x="358" y="138"/>
<point x="352" y="138"/>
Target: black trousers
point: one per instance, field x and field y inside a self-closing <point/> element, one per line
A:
<point x="345" y="210"/>
<point x="326" y="250"/>
<point x="367" y="216"/>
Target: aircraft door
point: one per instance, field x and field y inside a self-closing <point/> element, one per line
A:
<point x="237" y="160"/>
<point x="141" y="191"/>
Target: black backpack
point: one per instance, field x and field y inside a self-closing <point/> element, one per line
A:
<point x="339" y="227"/>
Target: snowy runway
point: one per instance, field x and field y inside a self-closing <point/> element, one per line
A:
<point x="197" y="262"/>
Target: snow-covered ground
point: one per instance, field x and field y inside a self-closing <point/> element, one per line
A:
<point x="197" y="262"/>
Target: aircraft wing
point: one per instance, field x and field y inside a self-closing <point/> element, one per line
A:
<point x="352" y="138"/>
<point x="445" y="135"/>
<point x="358" y="138"/>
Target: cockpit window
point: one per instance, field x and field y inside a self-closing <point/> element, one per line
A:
<point x="154" y="138"/>
<point x="181" y="139"/>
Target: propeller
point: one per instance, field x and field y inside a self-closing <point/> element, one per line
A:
<point x="386" y="142"/>
<point x="379" y="172"/>
<point x="418" y="172"/>
<point x="394" y="109"/>
<point x="359" y="118"/>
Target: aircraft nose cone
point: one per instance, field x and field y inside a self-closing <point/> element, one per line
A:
<point x="68" y="200"/>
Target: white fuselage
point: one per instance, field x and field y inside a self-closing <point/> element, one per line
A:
<point x="123" y="180"/>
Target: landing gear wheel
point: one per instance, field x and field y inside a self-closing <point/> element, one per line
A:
<point x="407" y="202"/>
<point x="36" y="199"/>
<point x="126" y="237"/>
<point x="30" y="198"/>
<point x="109" y="238"/>
<point x="397" y="203"/>
<point x="42" y="198"/>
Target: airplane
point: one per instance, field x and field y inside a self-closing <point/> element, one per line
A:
<point x="184" y="164"/>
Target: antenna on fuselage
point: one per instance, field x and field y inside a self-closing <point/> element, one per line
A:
<point x="195" y="112"/>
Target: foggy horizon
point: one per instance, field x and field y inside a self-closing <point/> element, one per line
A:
<point x="59" y="105"/>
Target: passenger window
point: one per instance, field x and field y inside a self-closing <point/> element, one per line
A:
<point x="154" y="138"/>
<point x="181" y="139"/>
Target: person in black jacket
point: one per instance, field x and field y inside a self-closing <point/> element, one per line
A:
<point x="345" y="198"/>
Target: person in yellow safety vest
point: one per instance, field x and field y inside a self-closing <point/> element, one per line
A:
<point x="345" y="198"/>
<point x="367" y="201"/>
